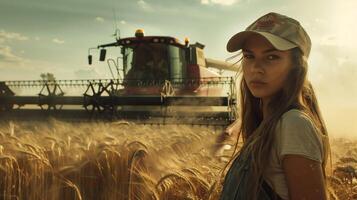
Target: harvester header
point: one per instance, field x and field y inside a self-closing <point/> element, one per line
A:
<point x="157" y="80"/>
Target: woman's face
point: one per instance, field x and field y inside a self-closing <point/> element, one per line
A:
<point x="265" y="69"/>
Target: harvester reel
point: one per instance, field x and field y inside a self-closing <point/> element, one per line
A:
<point x="232" y="101"/>
<point x="92" y="98"/>
<point x="5" y="91"/>
<point x="47" y="96"/>
<point x="113" y="88"/>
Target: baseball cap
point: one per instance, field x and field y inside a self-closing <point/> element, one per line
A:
<point x="282" y="32"/>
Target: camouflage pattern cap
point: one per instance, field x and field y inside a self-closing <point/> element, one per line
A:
<point x="282" y="32"/>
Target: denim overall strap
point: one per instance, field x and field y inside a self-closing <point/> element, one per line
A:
<point x="237" y="177"/>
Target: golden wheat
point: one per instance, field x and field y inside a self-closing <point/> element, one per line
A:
<point x="121" y="160"/>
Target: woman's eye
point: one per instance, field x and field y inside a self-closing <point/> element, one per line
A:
<point x="273" y="57"/>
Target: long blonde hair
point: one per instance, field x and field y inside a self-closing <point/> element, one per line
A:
<point x="258" y="133"/>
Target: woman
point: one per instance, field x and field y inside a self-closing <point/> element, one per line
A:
<point x="285" y="142"/>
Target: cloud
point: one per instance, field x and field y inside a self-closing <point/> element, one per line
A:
<point x="86" y="73"/>
<point x="205" y="2"/>
<point x="57" y="41"/>
<point x="328" y="40"/>
<point x="9" y="36"/>
<point x="219" y="2"/>
<point x="145" y="6"/>
<point x="8" y="56"/>
<point x="99" y="19"/>
<point x="27" y="69"/>
<point x="321" y="21"/>
<point x="334" y="71"/>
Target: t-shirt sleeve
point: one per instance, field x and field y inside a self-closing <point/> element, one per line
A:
<point x="298" y="136"/>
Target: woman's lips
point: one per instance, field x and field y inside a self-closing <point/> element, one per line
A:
<point x="257" y="83"/>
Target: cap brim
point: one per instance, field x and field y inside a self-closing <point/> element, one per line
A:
<point x="237" y="41"/>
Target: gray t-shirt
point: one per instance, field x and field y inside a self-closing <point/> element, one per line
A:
<point x="296" y="134"/>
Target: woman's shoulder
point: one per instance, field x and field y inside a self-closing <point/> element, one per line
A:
<point x="295" y="117"/>
<point x="297" y="125"/>
<point x="299" y="135"/>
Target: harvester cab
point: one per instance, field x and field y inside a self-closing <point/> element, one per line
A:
<point x="160" y="80"/>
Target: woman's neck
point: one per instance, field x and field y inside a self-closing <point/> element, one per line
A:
<point x="265" y="102"/>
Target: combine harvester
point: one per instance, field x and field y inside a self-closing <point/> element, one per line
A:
<point x="158" y="80"/>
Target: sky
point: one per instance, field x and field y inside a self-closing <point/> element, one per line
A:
<point x="38" y="36"/>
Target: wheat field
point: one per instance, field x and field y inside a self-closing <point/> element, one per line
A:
<point x="59" y="160"/>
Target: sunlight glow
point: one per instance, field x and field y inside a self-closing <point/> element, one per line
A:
<point x="344" y="23"/>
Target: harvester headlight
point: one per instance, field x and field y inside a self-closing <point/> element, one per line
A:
<point x="139" y="33"/>
<point x="187" y="40"/>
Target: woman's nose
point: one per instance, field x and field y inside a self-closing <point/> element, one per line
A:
<point x="257" y="67"/>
